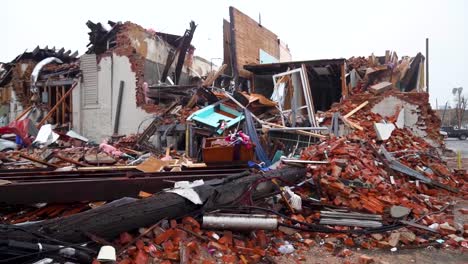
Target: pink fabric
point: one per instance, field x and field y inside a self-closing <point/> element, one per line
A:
<point x="111" y="150"/>
<point x="241" y="137"/>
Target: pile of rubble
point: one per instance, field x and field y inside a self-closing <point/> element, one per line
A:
<point x="224" y="173"/>
<point x="359" y="192"/>
<point x="372" y="183"/>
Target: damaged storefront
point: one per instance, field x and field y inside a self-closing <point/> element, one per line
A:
<point x="118" y="70"/>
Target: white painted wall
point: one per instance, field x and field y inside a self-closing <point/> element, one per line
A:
<point x="97" y="122"/>
<point x="94" y="122"/>
<point x="130" y="115"/>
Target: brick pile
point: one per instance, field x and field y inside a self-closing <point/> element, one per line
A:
<point x="366" y="117"/>
<point x="185" y="242"/>
<point x="355" y="179"/>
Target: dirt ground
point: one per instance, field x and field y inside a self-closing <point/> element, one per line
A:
<point x="422" y="255"/>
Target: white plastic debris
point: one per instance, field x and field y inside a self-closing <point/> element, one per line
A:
<point x="216" y="236"/>
<point x="75" y="135"/>
<point x="286" y="248"/>
<point x="184" y="189"/>
<point x="44" y="261"/>
<point x="66" y="168"/>
<point x="46" y="136"/>
<point x="106" y="253"/>
<point x="295" y="200"/>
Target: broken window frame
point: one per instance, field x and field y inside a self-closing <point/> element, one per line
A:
<point x="305" y="91"/>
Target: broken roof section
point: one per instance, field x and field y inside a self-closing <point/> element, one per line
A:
<point x="51" y="81"/>
<point x="156" y="58"/>
<point x="102" y="39"/>
<point x="36" y="55"/>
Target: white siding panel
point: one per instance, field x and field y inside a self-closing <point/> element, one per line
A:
<point x="88" y="66"/>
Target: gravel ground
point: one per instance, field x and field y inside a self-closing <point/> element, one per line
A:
<point x="458" y="145"/>
<point x="428" y="255"/>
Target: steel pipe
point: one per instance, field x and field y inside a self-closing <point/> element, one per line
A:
<point x="240" y="221"/>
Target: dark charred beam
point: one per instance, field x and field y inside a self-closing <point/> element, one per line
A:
<point x="183" y="51"/>
<point x="109" y="221"/>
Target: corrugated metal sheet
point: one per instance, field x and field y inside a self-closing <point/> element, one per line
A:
<point x="88" y="66"/>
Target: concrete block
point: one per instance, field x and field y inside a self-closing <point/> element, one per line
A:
<point x="399" y="211"/>
<point x="384" y="131"/>
<point x="380" y="87"/>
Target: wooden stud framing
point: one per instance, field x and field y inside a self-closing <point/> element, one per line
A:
<point x="344" y="88"/>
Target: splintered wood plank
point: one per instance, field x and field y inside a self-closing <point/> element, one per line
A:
<point x="63" y="106"/>
<point x="359" y="107"/>
<point x="152" y="165"/>
<point x="344" y="88"/>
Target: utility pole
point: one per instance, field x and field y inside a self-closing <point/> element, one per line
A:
<point x="427" y="65"/>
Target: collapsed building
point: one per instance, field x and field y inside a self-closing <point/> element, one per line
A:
<point x="53" y="82"/>
<point x="127" y="55"/>
<point x="260" y="158"/>
<point x="133" y="58"/>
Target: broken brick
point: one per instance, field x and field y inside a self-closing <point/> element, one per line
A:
<point x="125" y="238"/>
<point x="365" y="259"/>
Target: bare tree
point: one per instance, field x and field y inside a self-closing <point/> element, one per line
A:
<point x="462" y="108"/>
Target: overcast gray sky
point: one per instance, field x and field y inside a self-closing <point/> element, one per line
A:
<point x="312" y="29"/>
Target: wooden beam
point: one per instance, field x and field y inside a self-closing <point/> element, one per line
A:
<point x="55" y="83"/>
<point x="300" y="132"/>
<point x="38" y="161"/>
<point x="184" y="47"/>
<point x="24" y="113"/>
<point x="72" y="161"/>
<point x="49" y="97"/>
<point x="344" y="88"/>
<point x="70" y="109"/>
<point x="57" y="99"/>
<point x="213" y="78"/>
<point x="103" y="168"/>
<point x="351" y="124"/>
<point x="63" y="105"/>
<point x="110" y="220"/>
<point x="359" y="107"/>
<point x="57" y="105"/>
<point x="232" y="46"/>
